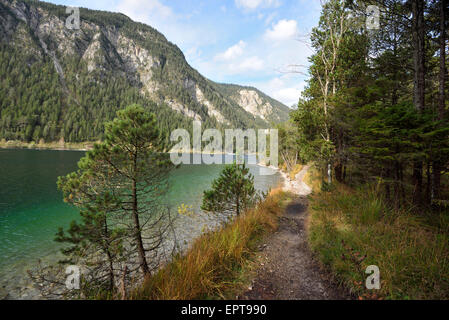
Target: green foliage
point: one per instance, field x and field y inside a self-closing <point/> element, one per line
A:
<point x="289" y="145"/>
<point x="47" y="111"/>
<point x="38" y="103"/>
<point x="358" y="112"/>
<point x="32" y="85"/>
<point x="309" y="120"/>
<point x="232" y="192"/>
<point x="119" y="188"/>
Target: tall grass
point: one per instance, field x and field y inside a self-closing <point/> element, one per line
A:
<point x="292" y="174"/>
<point x="213" y="267"/>
<point x="313" y="178"/>
<point x="351" y="229"/>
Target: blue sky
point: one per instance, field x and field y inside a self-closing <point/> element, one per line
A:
<point x="246" y="42"/>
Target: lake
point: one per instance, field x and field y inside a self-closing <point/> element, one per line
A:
<point x="31" y="207"/>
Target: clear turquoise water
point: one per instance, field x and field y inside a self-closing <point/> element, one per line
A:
<point x="31" y="207"/>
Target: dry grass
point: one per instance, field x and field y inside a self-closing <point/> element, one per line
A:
<point x="295" y="171"/>
<point x="215" y="265"/>
<point x="313" y="178"/>
<point x="351" y="229"/>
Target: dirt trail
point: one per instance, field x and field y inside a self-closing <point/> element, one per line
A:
<point x="287" y="268"/>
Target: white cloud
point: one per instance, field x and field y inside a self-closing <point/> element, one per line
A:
<point x="176" y="27"/>
<point x="242" y="67"/>
<point x="256" y="60"/>
<point x="193" y="53"/>
<point x="144" y="10"/>
<point x="290" y="96"/>
<point x="251" y="64"/>
<point x="283" y="30"/>
<point x="254" y="4"/>
<point x="232" y="52"/>
<point x="286" y="88"/>
<point x="270" y="17"/>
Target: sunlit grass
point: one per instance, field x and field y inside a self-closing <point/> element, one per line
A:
<point x="351" y="229"/>
<point x="214" y="267"/>
<point x="313" y="178"/>
<point x="295" y="171"/>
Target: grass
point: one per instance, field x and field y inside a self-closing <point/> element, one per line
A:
<point x="313" y="178"/>
<point x="295" y="171"/>
<point x="216" y="265"/>
<point x="352" y="229"/>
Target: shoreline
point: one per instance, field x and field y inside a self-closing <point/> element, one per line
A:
<point x="82" y="146"/>
<point x="55" y="146"/>
<point x="88" y="145"/>
<point x="287" y="184"/>
<point x="297" y="185"/>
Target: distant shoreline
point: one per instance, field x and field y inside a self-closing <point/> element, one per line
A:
<point x="57" y="146"/>
<point x="86" y="146"/>
<point x="78" y="146"/>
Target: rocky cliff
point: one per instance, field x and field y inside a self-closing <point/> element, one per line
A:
<point x="64" y="83"/>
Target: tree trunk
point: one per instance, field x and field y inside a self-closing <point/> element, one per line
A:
<point x="123" y="285"/>
<point x="237" y="205"/>
<point x="418" y="53"/>
<point x="429" y="183"/>
<point x="436" y="172"/>
<point x="108" y="254"/>
<point x="111" y="271"/>
<point x="436" y="179"/>
<point x="138" y="234"/>
<point x="417" y="182"/>
<point x="418" y="83"/>
<point x="442" y="71"/>
<point x="339" y="172"/>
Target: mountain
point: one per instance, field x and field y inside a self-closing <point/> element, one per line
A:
<point x="59" y="83"/>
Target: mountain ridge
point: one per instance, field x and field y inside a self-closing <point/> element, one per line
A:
<point x="111" y="61"/>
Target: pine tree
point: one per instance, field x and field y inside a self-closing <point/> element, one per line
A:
<point x="124" y="179"/>
<point x="232" y="192"/>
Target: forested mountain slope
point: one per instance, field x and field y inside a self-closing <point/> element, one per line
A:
<point x="62" y="83"/>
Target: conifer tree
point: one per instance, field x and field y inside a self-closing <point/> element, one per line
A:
<point x="122" y="182"/>
<point x="232" y="192"/>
